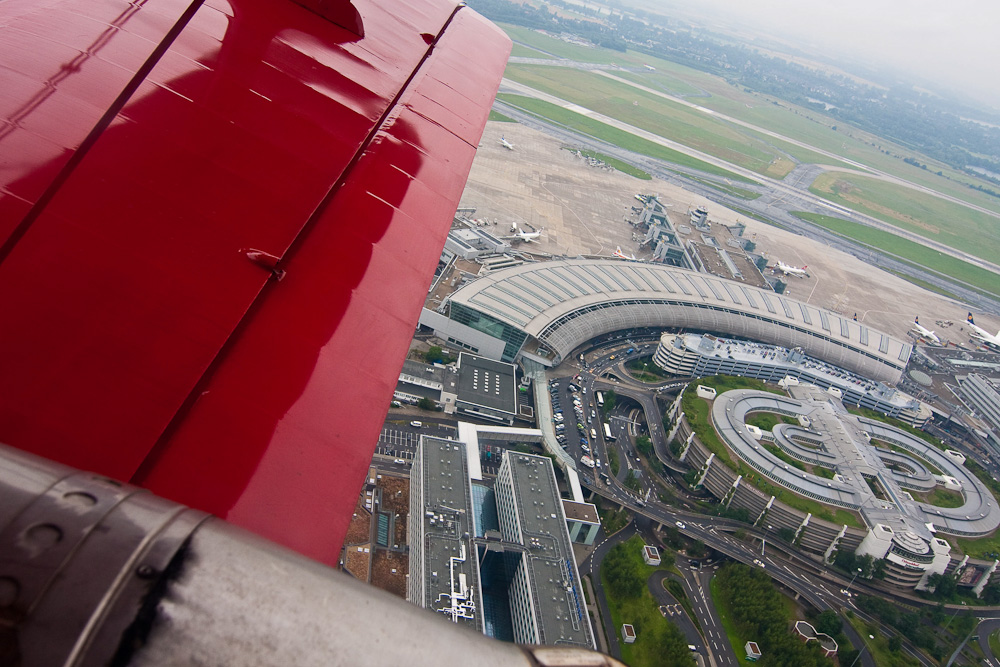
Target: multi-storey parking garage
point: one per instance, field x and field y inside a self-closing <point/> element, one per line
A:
<point x="544" y="310"/>
<point x="870" y="478"/>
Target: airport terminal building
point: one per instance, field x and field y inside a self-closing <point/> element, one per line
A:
<point x="543" y="310"/>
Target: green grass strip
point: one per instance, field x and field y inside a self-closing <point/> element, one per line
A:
<point x="928" y="258"/>
<point x="613" y="135"/>
<point x="499" y="117"/>
<point x="615" y="163"/>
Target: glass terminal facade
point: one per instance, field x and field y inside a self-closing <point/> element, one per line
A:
<point x="513" y="338"/>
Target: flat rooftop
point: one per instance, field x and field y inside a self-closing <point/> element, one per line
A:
<point x="562" y="618"/>
<point x="486" y="383"/>
<point x="449" y="565"/>
<point x="583" y="512"/>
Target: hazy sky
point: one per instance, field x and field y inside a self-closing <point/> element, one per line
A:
<point x="954" y="42"/>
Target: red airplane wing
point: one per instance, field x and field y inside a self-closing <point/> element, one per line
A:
<point x="218" y="223"/>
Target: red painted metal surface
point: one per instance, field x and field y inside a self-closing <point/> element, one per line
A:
<point x="159" y="171"/>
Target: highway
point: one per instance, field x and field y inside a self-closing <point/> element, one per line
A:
<point x="600" y="369"/>
<point x="818" y="585"/>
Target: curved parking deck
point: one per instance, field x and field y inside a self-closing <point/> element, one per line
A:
<point x="844" y="444"/>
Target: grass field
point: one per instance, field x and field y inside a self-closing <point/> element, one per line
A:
<point x="910" y="251"/>
<point x="605" y="132"/>
<point x="932" y="217"/>
<point x="768" y="420"/>
<point x="521" y="51"/>
<point x="670" y="85"/>
<point x="653" y="114"/>
<point x="941" y="497"/>
<point x="981" y="547"/>
<point x="729" y="189"/>
<point x="615" y="163"/>
<point x="499" y="117"/>
<point x="799" y="123"/>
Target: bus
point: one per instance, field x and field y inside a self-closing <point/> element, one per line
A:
<point x="600" y="398"/>
<point x="607" y="433"/>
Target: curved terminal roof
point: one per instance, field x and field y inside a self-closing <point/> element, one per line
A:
<point x="566" y="302"/>
<point x="843" y="444"/>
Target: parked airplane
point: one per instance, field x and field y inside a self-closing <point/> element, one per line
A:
<point x="790" y="270"/>
<point x="518" y="233"/>
<point x="506" y="144"/>
<point x="983" y="335"/>
<point x="926" y="333"/>
<point x="621" y="255"/>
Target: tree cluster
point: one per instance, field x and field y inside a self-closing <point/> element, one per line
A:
<point x="760" y="615"/>
<point x="908" y="623"/>
<point x="622" y="573"/>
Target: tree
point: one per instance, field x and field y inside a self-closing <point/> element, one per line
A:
<point x="435" y="355"/>
<point x="895" y="643"/>
<point x="644" y="445"/>
<point x="609" y="400"/>
<point x="944" y="586"/>
<point x="991" y="594"/>
<point x="828" y="622"/>
<point x="426" y="404"/>
<point x="697" y="549"/>
<point x="867" y="565"/>
<point x="937" y="615"/>
<point x="845" y="560"/>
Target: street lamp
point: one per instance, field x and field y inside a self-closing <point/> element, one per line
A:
<point x="763" y="540"/>
<point x="848" y="589"/>
<point x="858" y="656"/>
<point x="957" y="609"/>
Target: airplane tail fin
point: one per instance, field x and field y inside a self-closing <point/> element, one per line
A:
<point x="916" y="320"/>
<point x="969" y="319"/>
<point x="805" y="267"/>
